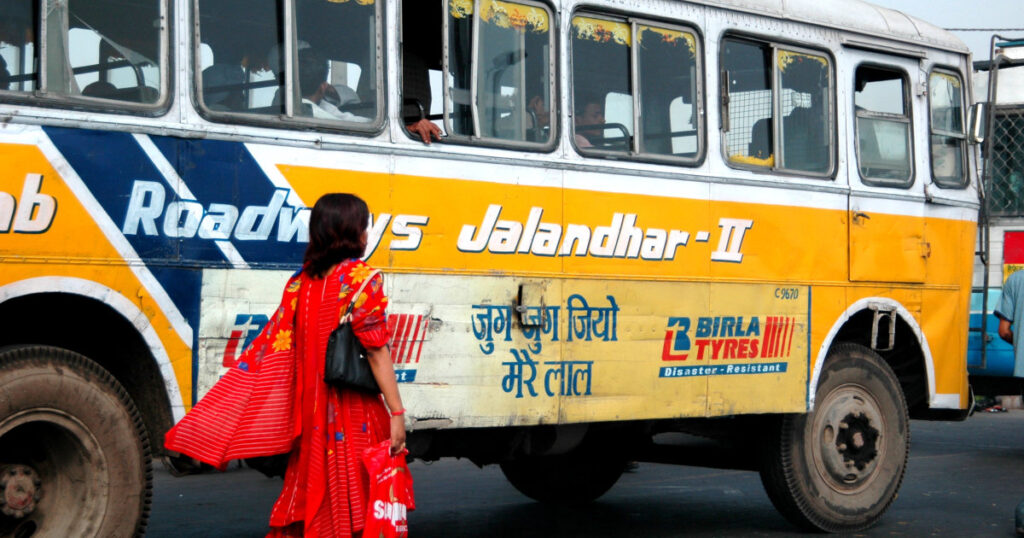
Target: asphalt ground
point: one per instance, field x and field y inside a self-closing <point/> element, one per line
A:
<point x="963" y="479"/>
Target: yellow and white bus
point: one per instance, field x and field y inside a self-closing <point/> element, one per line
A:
<point x="750" y="220"/>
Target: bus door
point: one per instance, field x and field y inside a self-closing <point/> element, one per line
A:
<point x="886" y="209"/>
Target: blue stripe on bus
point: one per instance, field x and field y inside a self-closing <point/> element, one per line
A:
<point x="109" y="163"/>
<point x="183" y="285"/>
<point x="113" y="164"/>
<point x="220" y="175"/>
<point x="219" y="172"/>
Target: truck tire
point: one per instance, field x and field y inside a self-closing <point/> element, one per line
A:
<point x="578" y="477"/>
<point x="74" y="428"/>
<point x="839" y="467"/>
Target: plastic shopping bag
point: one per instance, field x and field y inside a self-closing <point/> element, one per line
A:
<point x="391" y="496"/>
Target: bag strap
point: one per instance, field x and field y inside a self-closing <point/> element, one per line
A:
<point x="358" y="292"/>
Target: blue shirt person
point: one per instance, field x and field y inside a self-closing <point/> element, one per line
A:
<point x="1011" y="307"/>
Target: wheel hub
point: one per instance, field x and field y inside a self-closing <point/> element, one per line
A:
<point x="21" y="489"/>
<point x="857" y="441"/>
<point x="848" y="429"/>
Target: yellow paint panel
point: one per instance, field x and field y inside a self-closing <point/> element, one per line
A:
<point x="73" y="246"/>
<point x="602" y="31"/>
<point x="521" y="17"/>
<point x="770" y="333"/>
<point x="887" y="248"/>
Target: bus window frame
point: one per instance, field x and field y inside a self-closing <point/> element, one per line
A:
<point x="634" y="21"/>
<point x="287" y="120"/>
<point x="964" y="160"/>
<point x="50" y="99"/>
<point x="775" y="45"/>
<point x="553" y="84"/>
<point x="908" y="106"/>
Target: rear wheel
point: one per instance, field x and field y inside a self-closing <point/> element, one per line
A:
<point x="74" y="453"/>
<point x="578" y="477"/>
<point x="839" y="467"/>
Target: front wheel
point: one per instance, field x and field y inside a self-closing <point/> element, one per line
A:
<point x="839" y="467"/>
<point x="73" y="450"/>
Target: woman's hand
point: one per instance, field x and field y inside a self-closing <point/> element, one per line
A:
<point x="397" y="434"/>
<point x="384" y="373"/>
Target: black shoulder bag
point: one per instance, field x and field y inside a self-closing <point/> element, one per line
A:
<point x="346" y="365"/>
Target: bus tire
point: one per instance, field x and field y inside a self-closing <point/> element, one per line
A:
<point x="578" y="477"/>
<point x="68" y="420"/>
<point x="839" y="467"/>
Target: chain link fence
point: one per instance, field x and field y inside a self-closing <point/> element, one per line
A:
<point x="1006" y="190"/>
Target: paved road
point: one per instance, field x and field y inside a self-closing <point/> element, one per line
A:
<point x="963" y="479"/>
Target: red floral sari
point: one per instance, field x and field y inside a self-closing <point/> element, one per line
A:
<point x="275" y="401"/>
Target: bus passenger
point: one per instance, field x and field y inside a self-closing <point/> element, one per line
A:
<point x="222" y="87"/>
<point x="317" y="92"/>
<point x="275" y="400"/>
<point x="5" y="75"/>
<point x="420" y="53"/>
<point x="589" y="117"/>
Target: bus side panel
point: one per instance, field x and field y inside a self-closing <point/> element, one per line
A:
<point x="58" y="239"/>
<point x="582" y="350"/>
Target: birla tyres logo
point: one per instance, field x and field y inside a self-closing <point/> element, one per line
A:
<point x="243" y="332"/>
<point x="724" y="345"/>
<point x="728" y="337"/>
<point x="408" y="333"/>
<point x="31" y="213"/>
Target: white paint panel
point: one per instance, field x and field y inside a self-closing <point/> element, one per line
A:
<point x="945" y="401"/>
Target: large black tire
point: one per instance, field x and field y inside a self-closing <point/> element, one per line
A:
<point x="68" y="419"/>
<point x="578" y="477"/>
<point x="839" y="467"/>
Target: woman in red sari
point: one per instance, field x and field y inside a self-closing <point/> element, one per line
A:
<point x="275" y="401"/>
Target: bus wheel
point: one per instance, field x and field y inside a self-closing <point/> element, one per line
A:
<point x="578" y="477"/>
<point x="74" y="455"/>
<point x="838" y="468"/>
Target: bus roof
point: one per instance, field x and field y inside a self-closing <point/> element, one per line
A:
<point x="852" y="15"/>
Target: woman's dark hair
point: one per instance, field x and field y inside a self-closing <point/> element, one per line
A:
<point x="336" y="228"/>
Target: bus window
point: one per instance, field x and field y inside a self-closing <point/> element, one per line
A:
<point x="236" y="48"/>
<point x="883" y="126"/>
<point x="804" y="129"/>
<point x="18" y="21"/>
<point x="612" y="78"/>
<point x="342" y="80"/>
<point x="667" y="72"/>
<point x="100" y="49"/>
<point x="335" y="75"/>
<point x="748" y="130"/>
<point x="802" y="142"/>
<point x="500" y="77"/>
<point x="601" y="50"/>
<point x="945" y="101"/>
<point x="111" y="49"/>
